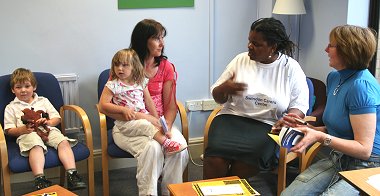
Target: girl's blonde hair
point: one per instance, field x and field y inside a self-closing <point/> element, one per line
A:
<point x="21" y="75"/>
<point x="128" y="56"/>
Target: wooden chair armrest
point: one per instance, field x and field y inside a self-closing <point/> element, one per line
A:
<point x="184" y="122"/>
<point x="310" y="118"/>
<point x="310" y="155"/>
<point x="207" y="126"/>
<point x="5" y="172"/>
<point x="3" y="149"/>
<point x="103" y="122"/>
<point x="85" y="123"/>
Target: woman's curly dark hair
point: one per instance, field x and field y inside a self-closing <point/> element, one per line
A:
<point x="274" y="32"/>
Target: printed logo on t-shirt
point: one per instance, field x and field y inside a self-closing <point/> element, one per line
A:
<point x="261" y="100"/>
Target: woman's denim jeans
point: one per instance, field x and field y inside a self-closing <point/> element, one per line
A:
<point x="322" y="177"/>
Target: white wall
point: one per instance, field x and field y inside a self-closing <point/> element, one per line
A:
<point x="81" y="37"/>
<point x="321" y="17"/>
<point x="358" y="11"/>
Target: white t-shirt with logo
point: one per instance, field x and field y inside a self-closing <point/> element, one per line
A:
<point x="272" y="88"/>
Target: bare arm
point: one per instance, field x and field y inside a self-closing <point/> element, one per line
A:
<point x="288" y="120"/>
<point x="113" y="110"/>
<point x="170" y="105"/>
<point x="364" y="128"/>
<point x="149" y="103"/>
<point x="17" y="131"/>
<point x="227" y="88"/>
<point x="153" y="115"/>
<point x="52" y="122"/>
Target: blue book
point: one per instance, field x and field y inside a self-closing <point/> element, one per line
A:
<point x="289" y="137"/>
<point x="164" y="124"/>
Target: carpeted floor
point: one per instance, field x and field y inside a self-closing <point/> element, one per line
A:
<point x="123" y="182"/>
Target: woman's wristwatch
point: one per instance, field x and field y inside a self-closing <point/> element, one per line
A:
<point x="327" y="140"/>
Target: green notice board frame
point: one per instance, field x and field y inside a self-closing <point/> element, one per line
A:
<point x="132" y="4"/>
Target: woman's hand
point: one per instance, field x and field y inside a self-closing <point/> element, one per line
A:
<point x="293" y="120"/>
<point x="311" y="136"/>
<point x="234" y="88"/>
<point x="229" y="87"/>
<point x="289" y="120"/>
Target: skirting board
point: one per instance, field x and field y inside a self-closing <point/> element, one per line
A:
<point x="195" y="148"/>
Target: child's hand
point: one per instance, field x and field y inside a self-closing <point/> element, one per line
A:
<point x="29" y="128"/>
<point x="42" y="121"/>
<point x="129" y="114"/>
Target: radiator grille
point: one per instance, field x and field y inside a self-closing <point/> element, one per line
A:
<point x="70" y="93"/>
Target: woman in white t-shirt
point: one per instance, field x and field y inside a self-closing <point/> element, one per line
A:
<point x="256" y="89"/>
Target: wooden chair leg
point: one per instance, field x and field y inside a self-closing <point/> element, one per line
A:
<point x="6" y="181"/>
<point x="281" y="174"/>
<point x="91" y="180"/>
<point x="106" y="185"/>
<point x="62" y="176"/>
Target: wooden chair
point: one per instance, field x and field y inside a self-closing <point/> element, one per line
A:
<point x="13" y="162"/>
<point x="285" y="157"/>
<point x="318" y="102"/>
<point x="110" y="150"/>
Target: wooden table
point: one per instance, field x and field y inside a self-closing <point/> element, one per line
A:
<point x="358" y="178"/>
<point x="55" y="188"/>
<point x="186" y="189"/>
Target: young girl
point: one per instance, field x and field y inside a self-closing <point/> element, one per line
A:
<point x="125" y="94"/>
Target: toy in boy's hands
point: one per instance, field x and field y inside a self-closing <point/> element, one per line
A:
<point x="31" y="117"/>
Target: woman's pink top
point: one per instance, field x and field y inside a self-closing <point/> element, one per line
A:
<point x="165" y="72"/>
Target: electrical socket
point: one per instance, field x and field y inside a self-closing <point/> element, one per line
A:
<point x="194" y="105"/>
<point x="209" y="104"/>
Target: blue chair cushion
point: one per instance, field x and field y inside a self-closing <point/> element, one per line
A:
<point x="311" y="96"/>
<point x="114" y="150"/>
<point x="19" y="164"/>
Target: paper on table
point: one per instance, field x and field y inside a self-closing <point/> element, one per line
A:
<point x="222" y="190"/>
<point x="217" y="188"/>
<point x="374" y="181"/>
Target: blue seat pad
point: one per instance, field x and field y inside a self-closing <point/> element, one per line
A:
<point x="114" y="150"/>
<point x="19" y="164"/>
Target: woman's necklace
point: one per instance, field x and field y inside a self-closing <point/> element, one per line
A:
<point x="341" y="83"/>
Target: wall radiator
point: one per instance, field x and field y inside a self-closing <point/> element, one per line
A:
<point x="70" y="93"/>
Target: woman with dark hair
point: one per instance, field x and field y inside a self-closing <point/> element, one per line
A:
<point x="351" y="116"/>
<point x="148" y="41"/>
<point x="257" y="89"/>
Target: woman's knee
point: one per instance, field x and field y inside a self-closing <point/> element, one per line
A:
<point x="216" y="161"/>
<point x="153" y="148"/>
<point x="243" y="170"/>
<point x="214" y="167"/>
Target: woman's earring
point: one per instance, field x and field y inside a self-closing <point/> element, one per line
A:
<point x="270" y="56"/>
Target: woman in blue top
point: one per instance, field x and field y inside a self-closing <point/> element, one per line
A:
<point x="351" y="116"/>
